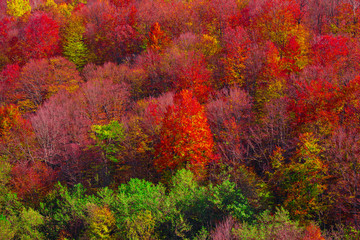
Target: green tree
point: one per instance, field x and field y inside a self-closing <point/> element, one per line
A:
<point x="270" y="226"/>
<point x="74" y="47"/>
<point x="108" y="138"/>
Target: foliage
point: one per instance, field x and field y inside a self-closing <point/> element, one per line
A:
<point x="230" y="201"/>
<point x="186" y="139"/>
<point x="142" y="227"/>
<point x="302" y="182"/>
<point x="270" y="226"/>
<point x="235" y="106"/>
<point x="74" y="47"/>
<point x="42" y="37"/>
<point x="18" y="8"/>
<point x="101" y="223"/>
<point x="108" y="138"/>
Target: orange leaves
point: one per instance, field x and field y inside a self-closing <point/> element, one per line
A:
<point x="11" y="123"/>
<point x="186" y="139"/>
<point x="16" y="134"/>
<point x="312" y="232"/>
<point x="157" y="38"/>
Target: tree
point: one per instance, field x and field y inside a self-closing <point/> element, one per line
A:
<point x="102" y="223"/>
<point x="157" y="39"/>
<point x="108" y="139"/>
<point x="104" y="100"/>
<point x="17" y="8"/>
<point x="346" y="19"/>
<point x="8" y="83"/>
<point x="5" y="26"/>
<point x="186" y="139"/>
<point x="42" y="78"/>
<point x="317" y="106"/>
<point x="111" y="33"/>
<point x="41" y="35"/>
<point x="280" y="23"/>
<point x="74" y="46"/>
<point x="195" y="77"/>
<point x="272" y="83"/>
<point x="16" y="135"/>
<point x="236" y="48"/>
<point x="301" y="183"/>
<point x="31" y="181"/>
<point x="229" y="116"/>
<point x="344" y="168"/>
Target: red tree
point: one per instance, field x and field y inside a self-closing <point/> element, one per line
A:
<point x="186" y="139"/>
<point x="32" y="180"/>
<point x="41" y="37"/>
<point x="8" y="82"/>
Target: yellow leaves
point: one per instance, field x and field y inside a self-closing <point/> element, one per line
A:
<point x="303" y="38"/>
<point x="50" y="4"/>
<point x="18" y="8"/>
<point x="27" y="105"/>
<point x="241" y="4"/>
<point x="102" y="222"/>
<point x="277" y="158"/>
<point x="235" y="67"/>
<point x="209" y="45"/>
<point x="74" y="47"/>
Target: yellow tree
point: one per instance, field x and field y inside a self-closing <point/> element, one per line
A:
<point x="74" y="47"/>
<point x="17" y="8"/>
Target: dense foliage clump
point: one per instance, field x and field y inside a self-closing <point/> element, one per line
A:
<point x="202" y="119"/>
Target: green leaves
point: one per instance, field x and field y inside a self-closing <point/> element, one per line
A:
<point x="108" y="138"/>
<point x="142" y="210"/>
<point x="230" y="201"/>
<point x="74" y="47"/>
<point x="270" y="226"/>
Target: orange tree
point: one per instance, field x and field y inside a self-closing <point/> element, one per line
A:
<point x="186" y="139"/>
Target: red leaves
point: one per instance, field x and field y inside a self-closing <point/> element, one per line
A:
<point x="41" y="37"/>
<point x="195" y="77"/>
<point x="186" y="139"/>
<point x="330" y="49"/>
<point x="8" y="82"/>
<point x="4" y="30"/>
<point x="317" y="101"/>
<point x="327" y="104"/>
<point x="32" y="180"/>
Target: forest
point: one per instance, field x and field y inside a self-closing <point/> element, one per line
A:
<point x="180" y="119"/>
